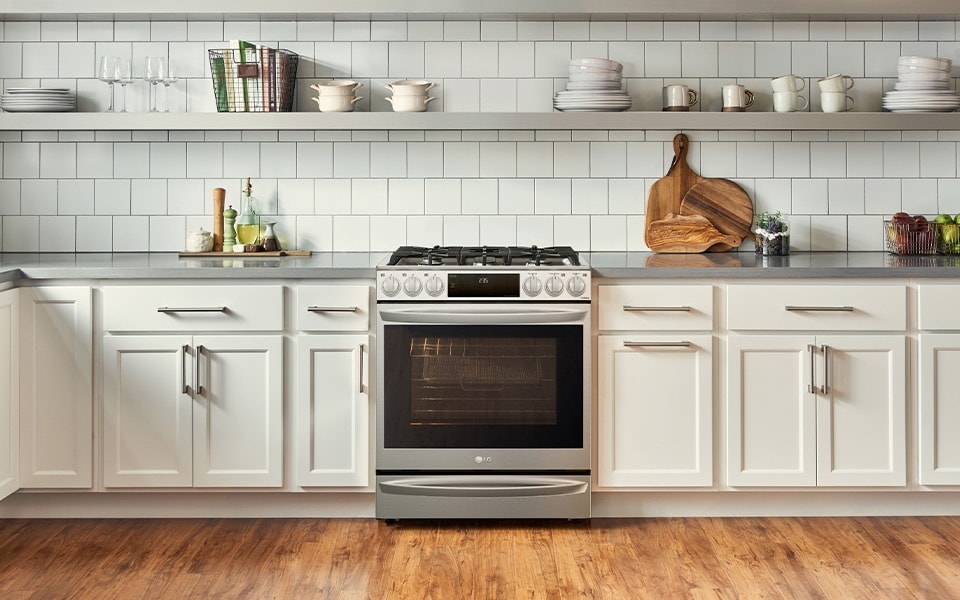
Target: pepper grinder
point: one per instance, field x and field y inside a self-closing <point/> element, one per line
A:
<point x="229" y="233"/>
<point x="218" y="196"/>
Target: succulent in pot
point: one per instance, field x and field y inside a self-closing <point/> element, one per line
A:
<point x="772" y="234"/>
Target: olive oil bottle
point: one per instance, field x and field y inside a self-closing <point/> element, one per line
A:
<point x="248" y="222"/>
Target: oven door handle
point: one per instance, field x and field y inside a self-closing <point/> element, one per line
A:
<point x="482" y="315"/>
<point x="483" y="486"/>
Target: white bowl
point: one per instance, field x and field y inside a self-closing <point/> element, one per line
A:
<point x="336" y="102"/>
<point x="598" y="76"/>
<point x="410" y="102"/>
<point x="937" y="76"/>
<point x="586" y="69"/>
<point x="409" y="87"/>
<point x="926" y="62"/>
<point x="598" y="63"/>
<point x="337" y="87"/>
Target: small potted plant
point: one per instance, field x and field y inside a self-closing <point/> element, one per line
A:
<point x="772" y="234"/>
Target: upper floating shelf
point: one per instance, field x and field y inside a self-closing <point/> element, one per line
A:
<point x="632" y="120"/>
<point x="474" y="9"/>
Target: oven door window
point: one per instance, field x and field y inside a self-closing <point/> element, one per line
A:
<point x="472" y="386"/>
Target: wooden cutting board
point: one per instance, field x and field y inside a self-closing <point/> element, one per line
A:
<point x="725" y="204"/>
<point x="667" y="193"/>
<point x="238" y="255"/>
<point x="689" y="234"/>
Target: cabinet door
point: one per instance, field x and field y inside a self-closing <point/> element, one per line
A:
<point x="771" y="412"/>
<point x="333" y="410"/>
<point x="655" y="410"/>
<point x="56" y="401"/>
<point x="9" y="394"/>
<point x="147" y="411"/>
<point x="861" y="413"/>
<point x="238" y="411"/>
<point x="939" y="370"/>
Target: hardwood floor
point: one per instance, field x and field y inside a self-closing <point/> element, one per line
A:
<point x="874" y="558"/>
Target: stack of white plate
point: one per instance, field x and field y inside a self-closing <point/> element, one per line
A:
<point x="923" y="85"/>
<point x="38" y="100"/>
<point x="595" y="85"/>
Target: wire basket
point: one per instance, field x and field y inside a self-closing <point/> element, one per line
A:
<point x="253" y="79"/>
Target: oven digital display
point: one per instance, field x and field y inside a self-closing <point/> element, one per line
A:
<point x="483" y="285"/>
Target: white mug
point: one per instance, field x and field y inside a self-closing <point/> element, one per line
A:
<point x="678" y="96"/>
<point x="788" y="101"/>
<point x="736" y="98"/>
<point x="835" y="102"/>
<point x="787" y="83"/>
<point x="836" y="83"/>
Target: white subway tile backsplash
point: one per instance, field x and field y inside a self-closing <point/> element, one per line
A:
<point x="21" y="234"/>
<point x="351" y="31"/>
<point x="113" y="198"/>
<point x="498" y="95"/>
<point x="186" y="197"/>
<point x="461" y="95"/>
<point x="369" y="197"/>
<point x="406" y="59"/>
<point x="535" y="230"/>
<point x="572" y="230"/>
<point x="809" y="197"/>
<point x="608" y="159"/>
<point x="901" y="159"/>
<point x="387" y="232"/>
<point x="516" y="196"/>
<point x="406" y="197"/>
<point x="590" y="196"/>
<point x="846" y="196"/>
<point x="791" y="159"/>
<point x="332" y="196"/>
<point x="553" y="197"/>
<point x="460" y="31"/>
<point x="390" y="31"/>
<point x="388" y="159"/>
<point x="480" y="59"/>
<point x="865" y="159"/>
<point x="442" y="196"/>
<point x="10" y="197"/>
<point x="295" y="197"/>
<point x="919" y="196"/>
<point x="552" y="59"/>
<point x="938" y="159"/>
<point x="754" y="159"/>
<point x="535" y="30"/>
<point x="461" y="230"/>
<point x="498" y="30"/>
<point x="881" y="196"/>
<point x="38" y="197"/>
<point x="479" y="196"/>
<point x="424" y="230"/>
<point x="75" y="197"/>
<point x="94" y="234"/>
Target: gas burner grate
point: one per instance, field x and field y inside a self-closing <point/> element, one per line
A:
<point x="485" y="256"/>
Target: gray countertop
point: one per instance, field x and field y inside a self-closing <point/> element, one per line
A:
<point x="362" y="265"/>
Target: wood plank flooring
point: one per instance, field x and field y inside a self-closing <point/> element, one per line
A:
<point x="848" y="558"/>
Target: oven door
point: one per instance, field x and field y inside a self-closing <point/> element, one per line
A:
<point x="489" y="386"/>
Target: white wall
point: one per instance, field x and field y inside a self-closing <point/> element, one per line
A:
<point x="373" y="190"/>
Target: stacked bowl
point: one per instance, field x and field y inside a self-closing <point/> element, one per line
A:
<point x="596" y="84"/>
<point x="336" y="95"/>
<point x="923" y="85"/>
<point x="410" y="95"/>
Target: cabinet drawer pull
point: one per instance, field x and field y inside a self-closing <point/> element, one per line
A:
<point x="191" y="309"/>
<point x="184" y="387"/>
<point x="197" y="374"/>
<point x="326" y="309"/>
<point x="657" y="344"/>
<point x="812" y="386"/>
<point x="826" y="368"/>
<point x="362" y="348"/>
<point x="792" y="308"/>
<point x="628" y="308"/>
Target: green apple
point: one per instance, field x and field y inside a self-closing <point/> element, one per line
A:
<point x="957" y="219"/>
<point x="950" y="232"/>
<point x="943" y="218"/>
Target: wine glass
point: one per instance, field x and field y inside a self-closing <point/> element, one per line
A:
<point x="107" y="73"/>
<point x="124" y="78"/>
<point x="154" y="73"/>
<point x="168" y="80"/>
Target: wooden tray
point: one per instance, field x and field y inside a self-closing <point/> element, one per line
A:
<point x="276" y="254"/>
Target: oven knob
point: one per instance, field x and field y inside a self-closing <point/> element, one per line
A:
<point x="576" y="286"/>
<point x="532" y="286"/>
<point x="554" y="286"/>
<point x="390" y="286"/>
<point x="412" y="286"/>
<point x="434" y="285"/>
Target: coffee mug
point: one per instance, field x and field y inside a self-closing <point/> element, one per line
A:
<point x="835" y="102"/>
<point x="787" y="83"/>
<point x="736" y="98"/>
<point x="836" y="83"/>
<point x="788" y="101"/>
<point x="678" y="96"/>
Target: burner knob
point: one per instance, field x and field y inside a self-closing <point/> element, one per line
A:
<point x="390" y="286"/>
<point x="532" y="286"/>
<point x="412" y="286"/>
<point x="434" y="285"/>
<point x="554" y="285"/>
<point x="576" y="286"/>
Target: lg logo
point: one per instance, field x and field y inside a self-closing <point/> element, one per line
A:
<point x="482" y="459"/>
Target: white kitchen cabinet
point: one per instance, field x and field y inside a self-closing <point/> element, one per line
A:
<point x="9" y="393"/>
<point x="655" y="386"/>
<point x="56" y="387"/>
<point x="201" y="410"/>
<point x="333" y="400"/>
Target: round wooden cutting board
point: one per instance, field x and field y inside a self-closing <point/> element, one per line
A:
<point x="667" y="193"/>
<point x="725" y="204"/>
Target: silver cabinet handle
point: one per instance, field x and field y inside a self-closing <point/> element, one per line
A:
<point x="826" y="368"/>
<point x="191" y="309"/>
<point x="628" y="308"/>
<point x="812" y="386"/>
<point x="197" y="373"/>
<point x="793" y="308"/>
<point x="657" y="344"/>
<point x="325" y="309"/>
<point x="362" y="348"/>
<point x="184" y="387"/>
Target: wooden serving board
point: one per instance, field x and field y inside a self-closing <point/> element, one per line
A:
<point x="725" y="204"/>
<point x="276" y="254"/>
<point x="688" y="234"/>
<point x="667" y="193"/>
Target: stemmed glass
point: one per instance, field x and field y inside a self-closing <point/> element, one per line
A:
<point x="124" y="78"/>
<point x="154" y="73"/>
<point x="168" y="80"/>
<point x="108" y="73"/>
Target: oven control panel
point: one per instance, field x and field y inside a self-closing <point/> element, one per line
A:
<point x="542" y="285"/>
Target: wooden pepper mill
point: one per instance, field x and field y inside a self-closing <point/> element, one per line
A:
<point x="218" y="197"/>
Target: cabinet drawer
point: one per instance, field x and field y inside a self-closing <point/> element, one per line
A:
<point x="193" y="308"/>
<point x="656" y="307"/>
<point x="817" y="307"/>
<point x="936" y="307"/>
<point x="333" y="308"/>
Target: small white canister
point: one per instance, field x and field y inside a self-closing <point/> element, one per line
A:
<point x="200" y="241"/>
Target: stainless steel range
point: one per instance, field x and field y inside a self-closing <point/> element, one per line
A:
<point x="483" y="384"/>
